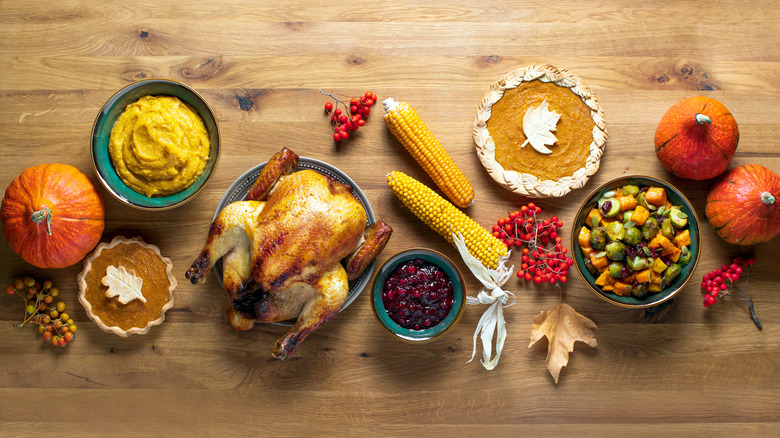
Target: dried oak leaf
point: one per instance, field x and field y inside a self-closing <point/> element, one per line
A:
<point x="123" y="284"/>
<point x="563" y="326"/>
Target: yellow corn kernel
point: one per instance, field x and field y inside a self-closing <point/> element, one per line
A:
<point x="444" y="218"/>
<point x="406" y="125"/>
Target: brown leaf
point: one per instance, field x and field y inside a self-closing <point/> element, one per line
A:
<point x="563" y="326"/>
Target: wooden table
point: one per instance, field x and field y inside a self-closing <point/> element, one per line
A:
<point x="695" y="371"/>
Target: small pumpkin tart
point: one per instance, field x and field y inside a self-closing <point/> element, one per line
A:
<point x="126" y="286"/>
<point x="540" y="132"/>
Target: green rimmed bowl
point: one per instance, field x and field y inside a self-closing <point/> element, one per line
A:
<point x="651" y="299"/>
<point x="431" y="333"/>
<point x="107" y="117"/>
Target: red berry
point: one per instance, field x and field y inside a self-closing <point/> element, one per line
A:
<point x="337" y="112"/>
<point x="344" y="135"/>
<point x="336" y="137"/>
<point x="361" y="122"/>
<point x="328" y="107"/>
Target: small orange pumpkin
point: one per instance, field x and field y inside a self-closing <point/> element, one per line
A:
<point x="744" y="206"/>
<point x="52" y="215"/>
<point x="696" y="138"/>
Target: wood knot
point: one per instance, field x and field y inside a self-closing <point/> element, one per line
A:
<point x="247" y="99"/>
<point x="492" y="59"/>
<point x="143" y="33"/>
<point x="201" y="68"/>
<point x="357" y="60"/>
<point x="662" y="79"/>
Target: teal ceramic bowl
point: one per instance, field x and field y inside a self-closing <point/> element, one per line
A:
<point x="651" y="299"/>
<point x="437" y="331"/>
<point x="101" y="131"/>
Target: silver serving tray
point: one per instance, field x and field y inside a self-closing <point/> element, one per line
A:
<point x="237" y="191"/>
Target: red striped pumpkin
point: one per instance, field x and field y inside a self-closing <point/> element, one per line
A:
<point x="52" y="215"/>
<point x="744" y="206"/>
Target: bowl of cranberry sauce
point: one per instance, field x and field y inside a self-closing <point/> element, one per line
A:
<point x="418" y="295"/>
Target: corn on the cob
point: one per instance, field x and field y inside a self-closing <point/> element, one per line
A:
<point x="445" y="218"/>
<point x="411" y="131"/>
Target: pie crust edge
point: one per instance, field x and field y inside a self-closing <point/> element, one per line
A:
<point x="81" y="280"/>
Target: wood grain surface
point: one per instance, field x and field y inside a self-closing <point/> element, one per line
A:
<point x="691" y="372"/>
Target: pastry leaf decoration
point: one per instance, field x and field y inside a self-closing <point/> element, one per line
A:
<point x="562" y="326"/>
<point x="538" y="124"/>
<point x="123" y="284"/>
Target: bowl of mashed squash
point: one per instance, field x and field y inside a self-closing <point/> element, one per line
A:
<point x="155" y="144"/>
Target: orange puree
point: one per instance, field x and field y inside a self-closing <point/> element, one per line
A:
<point x="146" y="264"/>
<point x="574" y="131"/>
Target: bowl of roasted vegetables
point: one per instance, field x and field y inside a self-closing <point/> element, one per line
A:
<point x="636" y="241"/>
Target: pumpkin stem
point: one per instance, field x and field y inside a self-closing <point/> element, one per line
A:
<point x="702" y="119"/>
<point x="39" y="215"/>
<point x="767" y="198"/>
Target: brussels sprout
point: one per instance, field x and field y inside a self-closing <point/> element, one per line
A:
<point x="616" y="270"/>
<point x="627" y="215"/>
<point x="615" y="251"/>
<point x="589" y="266"/>
<point x="670" y="274"/>
<point x="650" y="228"/>
<point x="685" y="256"/>
<point x="640" y="199"/>
<point x="633" y="236"/>
<point x="678" y="218"/>
<point x="598" y="238"/>
<point x="610" y="207"/>
<point x="636" y="263"/>
<point x="630" y="190"/>
<point x="639" y="290"/>
<point x="616" y="231"/>
<point x="667" y="229"/>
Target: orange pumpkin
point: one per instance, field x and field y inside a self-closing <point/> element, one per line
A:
<point x="696" y="138"/>
<point x="52" y="215"/>
<point x="744" y="205"/>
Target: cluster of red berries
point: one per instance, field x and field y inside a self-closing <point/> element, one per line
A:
<point x="539" y="263"/>
<point x="53" y="323"/>
<point x="721" y="282"/>
<point x="716" y="283"/>
<point x="352" y="117"/>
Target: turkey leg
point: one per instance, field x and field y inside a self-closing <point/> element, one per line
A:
<point x="318" y="310"/>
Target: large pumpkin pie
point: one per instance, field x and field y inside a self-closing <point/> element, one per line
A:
<point x="540" y="132"/>
<point x="126" y="286"/>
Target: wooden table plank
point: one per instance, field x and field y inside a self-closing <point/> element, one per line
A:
<point x="694" y="372"/>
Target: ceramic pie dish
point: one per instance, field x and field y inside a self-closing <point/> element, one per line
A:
<point x="126" y="286"/>
<point x="514" y="124"/>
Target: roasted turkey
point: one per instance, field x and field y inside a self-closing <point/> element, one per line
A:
<point x="289" y="249"/>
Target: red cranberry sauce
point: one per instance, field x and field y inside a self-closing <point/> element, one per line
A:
<point x="417" y="295"/>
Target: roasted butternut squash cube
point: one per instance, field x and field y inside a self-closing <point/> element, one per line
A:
<point x="660" y="241"/>
<point x="656" y="196"/>
<point x="672" y="253"/>
<point x="622" y="289"/>
<point x="584" y="237"/>
<point x="640" y="215"/>
<point x="645" y="276"/>
<point x="627" y="202"/>
<point x="682" y="238"/>
<point x="654" y="287"/>
<point x="593" y="213"/>
<point x="598" y="262"/>
<point x="604" y="279"/>
<point x="658" y="266"/>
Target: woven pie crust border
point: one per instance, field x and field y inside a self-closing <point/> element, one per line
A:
<point x="523" y="183"/>
<point x="81" y="279"/>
